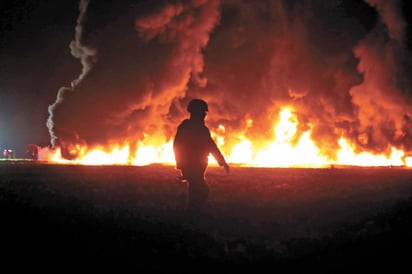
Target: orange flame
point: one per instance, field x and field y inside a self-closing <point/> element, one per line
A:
<point x="280" y="152"/>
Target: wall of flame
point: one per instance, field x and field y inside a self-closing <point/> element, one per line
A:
<point x="289" y="83"/>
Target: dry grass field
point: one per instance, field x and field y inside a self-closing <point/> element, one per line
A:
<point x="58" y="218"/>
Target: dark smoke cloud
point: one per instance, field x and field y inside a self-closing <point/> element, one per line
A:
<point x="342" y="72"/>
<point x="383" y="100"/>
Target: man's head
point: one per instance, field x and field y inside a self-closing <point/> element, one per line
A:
<point x="197" y="108"/>
<point x="197" y="105"/>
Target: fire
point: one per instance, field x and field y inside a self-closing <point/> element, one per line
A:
<point x="347" y="156"/>
<point x="154" y="154"/>
<point x="285" y="150"/>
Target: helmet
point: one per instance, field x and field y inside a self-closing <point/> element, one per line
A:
<point x="197" y="105"/>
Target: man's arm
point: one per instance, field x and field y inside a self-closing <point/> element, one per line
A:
<point x="215" y="151"/>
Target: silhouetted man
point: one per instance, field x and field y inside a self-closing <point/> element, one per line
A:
<point x="192" y="146"/>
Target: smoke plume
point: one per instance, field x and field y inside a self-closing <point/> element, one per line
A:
<point x="341" y="65"/>
<point x="87" y="56"/>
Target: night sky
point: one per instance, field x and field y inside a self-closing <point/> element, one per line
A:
<point x="35" y="63"/>
<point x="122" y="70"/>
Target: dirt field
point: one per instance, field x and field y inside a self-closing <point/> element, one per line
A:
<point x="124" y="218"/>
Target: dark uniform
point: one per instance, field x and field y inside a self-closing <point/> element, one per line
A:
<point x="192" y="146"/>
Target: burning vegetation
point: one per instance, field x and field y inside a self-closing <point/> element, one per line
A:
<point x="288" y="83"/>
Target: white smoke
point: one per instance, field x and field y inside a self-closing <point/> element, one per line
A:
<point x="87" y="56"/>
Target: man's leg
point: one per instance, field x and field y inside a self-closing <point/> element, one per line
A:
<point x="198" y="194"/>
<point x="198" y="190"/>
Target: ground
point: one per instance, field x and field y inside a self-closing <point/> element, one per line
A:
<point x="58" y="218"/>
